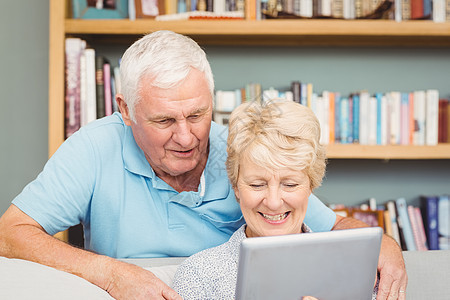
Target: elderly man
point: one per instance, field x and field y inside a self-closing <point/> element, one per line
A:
<point x="149" y="182"/>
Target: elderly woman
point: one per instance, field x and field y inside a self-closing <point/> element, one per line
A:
<point x="274" y="163"/>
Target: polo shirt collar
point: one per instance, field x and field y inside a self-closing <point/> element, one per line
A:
<point x="133" y="157"/>
<point x="216" y="185"/>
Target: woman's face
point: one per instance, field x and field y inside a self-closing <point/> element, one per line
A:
<point x="272" y="202"/>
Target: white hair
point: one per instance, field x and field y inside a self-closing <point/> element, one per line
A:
<point x="167" y="57"/>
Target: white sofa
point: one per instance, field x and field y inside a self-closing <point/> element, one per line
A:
<point x="428" y="272"/>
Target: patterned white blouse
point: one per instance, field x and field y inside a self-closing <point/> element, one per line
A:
<point x="212" y="273"/>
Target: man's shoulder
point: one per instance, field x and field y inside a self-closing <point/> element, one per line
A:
<point x="107" y="123"/>
<point x="218" y="133"/>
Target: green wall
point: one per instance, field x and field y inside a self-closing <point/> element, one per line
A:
<point x="24" y="80"/>
<point x="24" y="94"/>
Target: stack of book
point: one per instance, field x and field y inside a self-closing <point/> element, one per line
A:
<point x="414" y="228"/>
<point x="436" y="10"/>
<point x="395" y="118"/>
<point x="90" y="85"/>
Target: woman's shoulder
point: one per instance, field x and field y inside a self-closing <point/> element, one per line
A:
<point x="221" y="256"/>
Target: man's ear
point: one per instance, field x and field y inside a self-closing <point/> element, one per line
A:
<point x="123" y="107"/>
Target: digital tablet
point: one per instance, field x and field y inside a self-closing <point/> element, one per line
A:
<point x="339" y="264"/>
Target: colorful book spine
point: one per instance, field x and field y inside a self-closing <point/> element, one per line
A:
<point x="100" y="86"/>
<point x="444" y="216"/>
<point x="431" y="118"/>
<point x="404" y="119"/>
<point x="350" y="120"/>
<point x="430" y="217"/>
<point x="295" y="88"/>
<point x="304" y="94"/>
<point x="419" y="118"/>
<point x="390" y="206"/>
<point x="73" y="51"/>
<point x="364" y="99"/>
<point x="420" y="244"/>
<point x="405" y="224"/>
<point x="372" y="130"/>
<point x="344" y="120"/>
<point x="422" y="235"/>
<point x="356" y="118"/>
<point x="91" y="101"/>
<point x="335" y="119"/>
<point x="333" y="115"/>
<point x="107" y="85"/>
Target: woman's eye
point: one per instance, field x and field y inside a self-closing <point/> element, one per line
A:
<point x="256" y="186"/>
<point x="290" y="185"/>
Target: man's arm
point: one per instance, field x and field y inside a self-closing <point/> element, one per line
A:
<point x="22" y="237"/>
<point x="393" y="277"/>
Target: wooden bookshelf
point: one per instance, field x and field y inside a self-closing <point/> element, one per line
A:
<point x="241" y="32"/>
<point x="278" y="32"/>
<point x="355" y="151"/>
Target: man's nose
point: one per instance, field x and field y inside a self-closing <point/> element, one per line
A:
<point x="182" y="134"/>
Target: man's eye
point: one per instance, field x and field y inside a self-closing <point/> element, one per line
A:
<point x="165" y="121"/>
<point x="194" y="117"/>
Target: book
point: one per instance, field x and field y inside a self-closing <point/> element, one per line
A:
<point x="364" y="111"/>
<point x="406" y="10"/>
<point x="444" y="216"/>
<point x="438" y="11"/>
<point x="225" y="101"/>
<point x="74" y="48"/>
<point x="419" y="242"/>
<point x="431" y="117"/>
<point x="429" y="206"/>
<point x="411" y="119"/>
<point x="372" y="129"/>
<point x="350" y="119"/>
<point x="390" y="207"/>
<point x="405" y="224"/>
<point x="356" y="117"/>
<point x="422" y="235"/>
<point x="107" y="86"/>
<point x="333" y="118"/>
<point x="90" y="110"/>
<point x="304" y="94"/>
<point x="100" y="86"/>
<point x="404" y="119"/>
<point x="419" y="118"/>
<point x="309" y="94"/>
<point x="344" y="118"/>
<point x="83" y="87"/>
<point x="443" y="121"/>
<point x="395" y="118"/>
<point x="417" y="9"/>
<point x="295" y="88"/>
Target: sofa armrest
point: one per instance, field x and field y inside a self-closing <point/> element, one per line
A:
<point x="428" y="274"/>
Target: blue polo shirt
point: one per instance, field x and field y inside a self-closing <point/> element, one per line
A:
<point x="100" y="177"/>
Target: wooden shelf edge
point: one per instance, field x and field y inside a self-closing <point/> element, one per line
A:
<point x="285" y="32"/>
<point x="355" y="151"/>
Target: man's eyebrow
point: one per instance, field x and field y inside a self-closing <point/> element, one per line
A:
<point x="199" y="111"/>
<point x="195" y="112"/>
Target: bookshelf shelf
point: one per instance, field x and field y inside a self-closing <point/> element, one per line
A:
<point x="278" y="32"/>
<point x="355" y="151"/>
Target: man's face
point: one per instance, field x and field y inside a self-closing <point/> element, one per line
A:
<point x="172" y="125"/>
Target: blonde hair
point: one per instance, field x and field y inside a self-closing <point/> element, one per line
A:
<point x="276" y="134"/>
